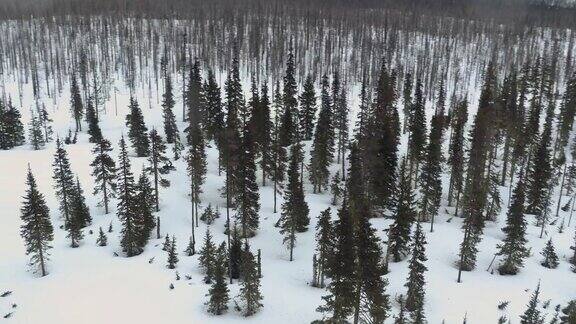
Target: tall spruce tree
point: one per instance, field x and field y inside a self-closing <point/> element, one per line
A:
<point x="532" y="315"/>
<point x="160" y="164"/>
<point x="278" y="151"/>
<point x="247" y="199"/>
<point x="404" y="216"/>
<point x="127" y="210"/>
<point x="250" y="295"/>
<point x="415" y="281"/>
<point x="145" y="201"/>
<point x="168" y="102"/>
<point x="295" y="211"/>
<point x="196" y="167"/>
<point x="431" y="184"/>
<point x="475" y="189"/>
<point x="417" y="141"/>
<point x="230" y="151"/>
<point x="341" y="125"/>
<point x="195" y="101"/>
<point x="288" y="124"/>
<point x="324" y="239"/>
<point x="208" y="257"/>
<point x="63" y="181"/>
<point x="513" y="247"/>
<point x="76" y="103"/>
<point x="456" y="151"/>
<point x="235" y="254"/>
<point x="539" y="177"/>
<point x="322" y="152"/>
<point x="218" y="302"/>
<point x="104" y="173"/>
<point x="265" y="132"/>
<point x="214" y="114"/>
<point x="137" y="132"/>
<point x="339" y="303"/>
<point x="37" y="230"/>
<point x="372" y="303"/>
<point x="307" y="108"/>
<point x="384" y="139"/>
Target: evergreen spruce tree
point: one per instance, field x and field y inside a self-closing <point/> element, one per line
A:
<point x="407" y="101"/>
<point x="74" y="224"/>
<point x="307" y="108"/>
<point x="372" y="303"/>
<point x="208" y="257"/>
<point x="231" y="141"/>
<point x="63" y="181"/>
<point x="80" y="207"/>
<point x="102" y="240"/>
<point x="324" y="240"/>
<point x="214" y="114"/>
<point x="235" y="254"/>
<point x="11" y="128"/>
<point x="550" y="257"/>
<point x="127" y="210"/>
<point x="341" y="125"/>
<point x="170" y="126"/>
<point x="278" y="151"/>
<point x="247" y="199"/>
<point x="539" y="177"/>
<point x="261" y="127"/>
<point x="336" y="188"/>
<point x="35" y="137"/>
<point x="475" y="194"/>
<point x="417" y="141"/>
<point x="196" y="167"/>
<point x="431" y="184"/>
<point x="250" y="294"/>
<point x="288" y="124"/>
<point x="218" y="302"/>
<point x="569" y="313"/>
<point x="45" y="123"/>
<point x="384" y="135"/>
<point x="137" y="131"/>
<point x="340" y="301"/>
<point x="195" y="101"/>
<point x="104" y="173"/>
<point x="92" y="120"/>
<point x="456" y="151"/>
<point x="172" y="254"/>
<point x="532" y="315"/>
<point x="322" y="152"/>
<point x="160" y="164"/>
<point x="415" y="281"/>
<point x="145" y="205"/>
<point x="405" y="214"/>
<point x="166" y="244"/>
<point x="37" y="230"/>
<point x="513" y="247"/>
<point x="295" y="212"/>
<point x="76" y="103"/>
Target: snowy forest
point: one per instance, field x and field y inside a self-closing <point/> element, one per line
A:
<point x="319" y="161"/>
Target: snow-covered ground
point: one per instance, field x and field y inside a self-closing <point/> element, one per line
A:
<point x="91" y="285"/>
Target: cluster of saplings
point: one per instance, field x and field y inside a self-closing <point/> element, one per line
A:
<point x="507" y="145"/>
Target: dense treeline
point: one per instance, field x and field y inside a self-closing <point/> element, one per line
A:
<point x="291" y="126"/>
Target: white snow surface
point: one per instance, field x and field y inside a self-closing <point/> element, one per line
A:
<point x="90" y="285"/>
